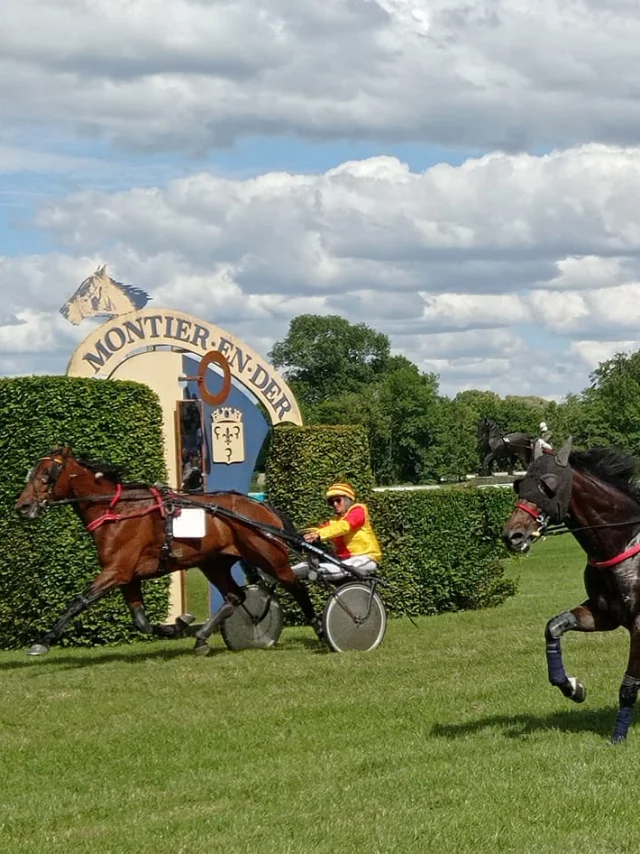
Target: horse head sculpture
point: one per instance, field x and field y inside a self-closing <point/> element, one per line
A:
<point x="101" y="296"/>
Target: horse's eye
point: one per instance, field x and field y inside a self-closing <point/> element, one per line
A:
<point x="45" y="477"/>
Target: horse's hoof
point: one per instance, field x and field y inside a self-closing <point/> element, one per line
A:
<point x="618" y="739"/>
<point x="202" y="649"/>
<point x="181" y="624"/>
<point x="38" y="649"/>
<point x="578" y="691"/>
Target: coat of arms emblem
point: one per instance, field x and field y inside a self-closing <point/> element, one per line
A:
<point x="227" y="430"/>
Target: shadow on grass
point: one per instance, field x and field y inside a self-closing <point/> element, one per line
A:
<point x="600" y="721"/>
<point x="59" y="657"/>
<point x="91" y="658"/>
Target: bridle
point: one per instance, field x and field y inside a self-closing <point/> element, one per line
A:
<point x="538" y="516"/>
<point x="543" y="521"/>
<point x="51" y="476"/>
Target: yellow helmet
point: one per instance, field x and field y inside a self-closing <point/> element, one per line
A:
<point x="341" y="489"/>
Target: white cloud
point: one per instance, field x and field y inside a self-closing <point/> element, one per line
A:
<point x="492" y="73"/>
<point x="446" y="261"/>
<point x="604" y="313"/>
<point x="594" y="352"/>
<point x="592" y="271"/>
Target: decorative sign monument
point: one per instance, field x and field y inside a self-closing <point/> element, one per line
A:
<point x="214" y="389"/>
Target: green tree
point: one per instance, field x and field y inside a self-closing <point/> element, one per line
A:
<point x="410" y="400"/>
<point x="456" y="446"/>
<point x="399" y="411"/>
<point x="326" y="356"/>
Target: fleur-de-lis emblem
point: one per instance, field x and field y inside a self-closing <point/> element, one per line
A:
<point x="228" y="435"/>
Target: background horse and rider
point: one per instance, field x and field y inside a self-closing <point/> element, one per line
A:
<point x="508" y="448"/>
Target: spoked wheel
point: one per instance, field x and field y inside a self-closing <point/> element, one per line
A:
<point x="354" y="618"/>
<point x="257" y="623"/>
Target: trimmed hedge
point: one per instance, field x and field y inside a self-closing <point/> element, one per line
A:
<point x="441" y="548"/>
<point x="44" y="563"/>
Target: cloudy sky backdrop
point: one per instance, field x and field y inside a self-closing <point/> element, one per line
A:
<point x="463" y="175"/>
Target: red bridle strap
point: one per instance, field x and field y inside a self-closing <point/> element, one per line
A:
<point x="530" y="511"/>
<point x="110" y="516"/>
<point x="601" y="564"/>
<point x="634" y="550"/>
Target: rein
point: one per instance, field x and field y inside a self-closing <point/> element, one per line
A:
<point x="270" y="531"/>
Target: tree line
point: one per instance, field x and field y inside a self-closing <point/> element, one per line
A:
<point x="344" y="373"/>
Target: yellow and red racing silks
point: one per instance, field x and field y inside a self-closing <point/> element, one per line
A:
<point x="352" y="534"/>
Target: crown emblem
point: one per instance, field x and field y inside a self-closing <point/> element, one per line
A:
<point x="226" y="414"/>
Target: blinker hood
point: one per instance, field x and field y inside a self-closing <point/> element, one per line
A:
<point x="548" y="482"/>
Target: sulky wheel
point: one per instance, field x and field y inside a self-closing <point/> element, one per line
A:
<point x="257" y="623"/>
<point x="354" y="618"/>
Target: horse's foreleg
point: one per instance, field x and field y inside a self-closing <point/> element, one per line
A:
<point x="584" y="618"/>
<point x="100" y="587"/>
<point x="628" y="690"/>
<point x="132" y="592"/>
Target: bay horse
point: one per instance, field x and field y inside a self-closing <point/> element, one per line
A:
<point x="495" y="446"/>
<point x="594" y="494"/>
<point x="128" y="523"/>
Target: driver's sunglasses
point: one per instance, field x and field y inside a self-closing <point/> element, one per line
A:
<point x="337" y="499"/>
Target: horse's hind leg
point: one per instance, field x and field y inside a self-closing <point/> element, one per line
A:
<point x="276" y="565"/>
<point x="584" y="618"/>
<point x="628" y="690"/>
<point x="488" y="463"/>
<point x="218" y="573"/>
<point x="99" y="588"/>
<point x="300" y="593"/>
<point x="132" y="593"/>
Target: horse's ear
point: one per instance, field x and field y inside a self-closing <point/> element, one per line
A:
<point x="562" y="457"/>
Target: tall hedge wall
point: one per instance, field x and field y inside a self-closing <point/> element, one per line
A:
<point x="45" y="562"/>
<point x="441" y="548"/>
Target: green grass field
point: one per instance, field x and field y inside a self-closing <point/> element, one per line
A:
<point x="446" y="739"/>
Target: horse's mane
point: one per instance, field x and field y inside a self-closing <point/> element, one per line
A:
<point x="111" y="472"/>
<point x="613" y="467"/>
<point x="137" y="296"/>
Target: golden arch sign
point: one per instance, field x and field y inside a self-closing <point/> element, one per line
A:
<point x="126" y="335"/>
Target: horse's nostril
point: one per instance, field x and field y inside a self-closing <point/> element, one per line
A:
<point x="513" y="538"/>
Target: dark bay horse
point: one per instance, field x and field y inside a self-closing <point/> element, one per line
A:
<point x="594" y="494"/>
<point x="127" y="523"/>
<point x="509" y="447"/>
